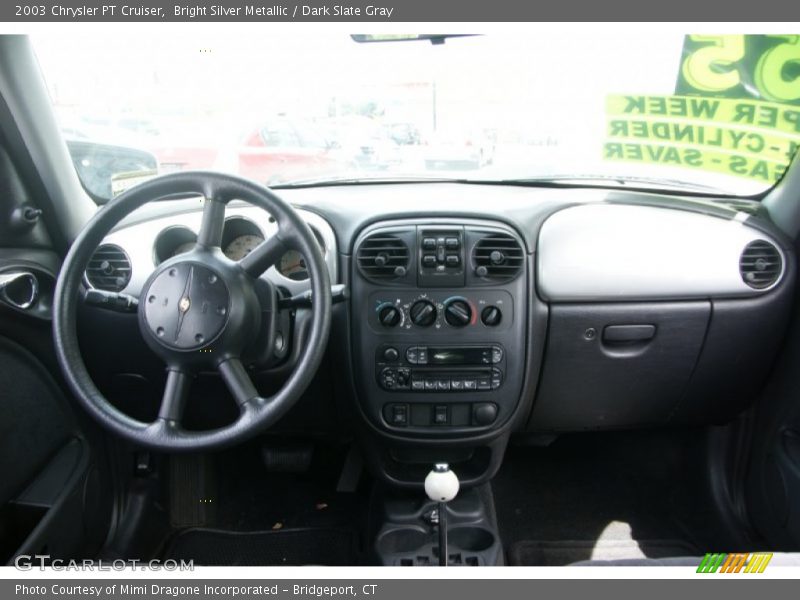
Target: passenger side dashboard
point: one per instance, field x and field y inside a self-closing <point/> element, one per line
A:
<point x="621" y="314"/>
<point x="650" y="315"/>
<point x="657" y="316"/>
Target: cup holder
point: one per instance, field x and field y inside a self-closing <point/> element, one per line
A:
<point x="470" y="539"/>
<point x="402" y="541"/>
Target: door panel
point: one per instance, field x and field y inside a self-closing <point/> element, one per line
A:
<point x="773" y="478"/>
<point x="34" y="424"/>
<point x="52" y="500"/>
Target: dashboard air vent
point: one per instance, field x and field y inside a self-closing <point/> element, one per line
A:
<point x="760" y="264"/>
<point x="383" y="256"/>
<point x="498" y="257"/>
<point x="109" y="269"/>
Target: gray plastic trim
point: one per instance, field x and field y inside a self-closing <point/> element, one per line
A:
<point x="622" y="252"/>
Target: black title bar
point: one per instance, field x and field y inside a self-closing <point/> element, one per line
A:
<point x="748" y="11"/>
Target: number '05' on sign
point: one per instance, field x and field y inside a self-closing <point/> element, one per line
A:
<point x="741" y="65"/>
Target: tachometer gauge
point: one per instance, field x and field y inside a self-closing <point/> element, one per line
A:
<point x="293" y="266"/>
<point x="172" y="241"/>
<point x="241" y="246"/>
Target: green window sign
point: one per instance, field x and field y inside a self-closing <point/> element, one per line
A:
<point x="763" y="67"/>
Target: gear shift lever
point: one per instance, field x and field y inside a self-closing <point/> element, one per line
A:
<point x="442" y="485"/>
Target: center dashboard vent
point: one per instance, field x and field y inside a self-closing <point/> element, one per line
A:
<point x="109" y="269"/>
<point x="760" y="264"/>
<point x="383" y="256"/>
<point x="498" y="257"/>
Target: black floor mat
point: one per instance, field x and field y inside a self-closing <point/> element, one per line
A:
<point x="254" y="516"/>
<point x="604" y="495"/>
<point x="560" y="553"/>
<point x="330" y="547"/>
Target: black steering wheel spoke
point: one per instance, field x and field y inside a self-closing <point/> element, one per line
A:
<point x="210" y="234"/>
<point x="176" y="393"/>
<point x="238" y="381"/>
<point x="266" y="254"/>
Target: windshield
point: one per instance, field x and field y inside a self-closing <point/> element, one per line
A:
<point x="697" y="112"/>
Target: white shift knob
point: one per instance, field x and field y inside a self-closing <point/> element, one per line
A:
<point x="441" y="484"/>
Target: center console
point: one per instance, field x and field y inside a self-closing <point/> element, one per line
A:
<point x="439" y="328"/>
<point x="439" y="321"/>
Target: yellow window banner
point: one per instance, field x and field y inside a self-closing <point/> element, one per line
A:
<point x="743" y="137"/>
<point x="746" y="113"/>
<point x="735" y="110"/>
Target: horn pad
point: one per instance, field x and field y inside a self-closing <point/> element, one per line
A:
<point x="186" y="306"/>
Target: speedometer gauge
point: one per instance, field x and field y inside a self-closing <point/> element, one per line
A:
<point x="241" y="246"/>
<point x="293" y="266"/>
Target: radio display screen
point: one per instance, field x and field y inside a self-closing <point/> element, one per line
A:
<point x="459" y="356"/>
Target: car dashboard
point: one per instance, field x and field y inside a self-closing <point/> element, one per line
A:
<point x="478" y="311"/>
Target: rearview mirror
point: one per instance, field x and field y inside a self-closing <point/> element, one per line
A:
<point x="433" y="38"/>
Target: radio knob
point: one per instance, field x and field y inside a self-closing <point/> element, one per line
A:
<point x="423" y="313"/>
<point x="491" y="316"/>
<point x="390" y="316"/>
<point x="458" y="313"/>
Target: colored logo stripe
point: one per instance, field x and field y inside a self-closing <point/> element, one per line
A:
<point x="710" y="563"/>
<point x="735" y="563"/>
<point x="759" y="562"/>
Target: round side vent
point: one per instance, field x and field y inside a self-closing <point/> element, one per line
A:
<point x="109" y="269"/>
<point x="760" y="264"/>
<point x="498" y="257"/>
<point x="383" y="256"/>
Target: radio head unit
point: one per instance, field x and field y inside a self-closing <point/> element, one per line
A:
<point x="421" y="368"/>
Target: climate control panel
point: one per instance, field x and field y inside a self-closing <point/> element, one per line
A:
<point x="486" y="310"/>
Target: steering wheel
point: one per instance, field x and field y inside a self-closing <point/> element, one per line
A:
<point x="197" y="311"/>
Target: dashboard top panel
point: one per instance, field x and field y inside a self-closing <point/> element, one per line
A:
<point x="350" y="208"/>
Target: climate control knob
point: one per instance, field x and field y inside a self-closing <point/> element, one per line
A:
<point x="389" y="315"/>
<point x="423" y="313"/>
<point x="491" y="316"/>
<point x="458" y="313"/>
